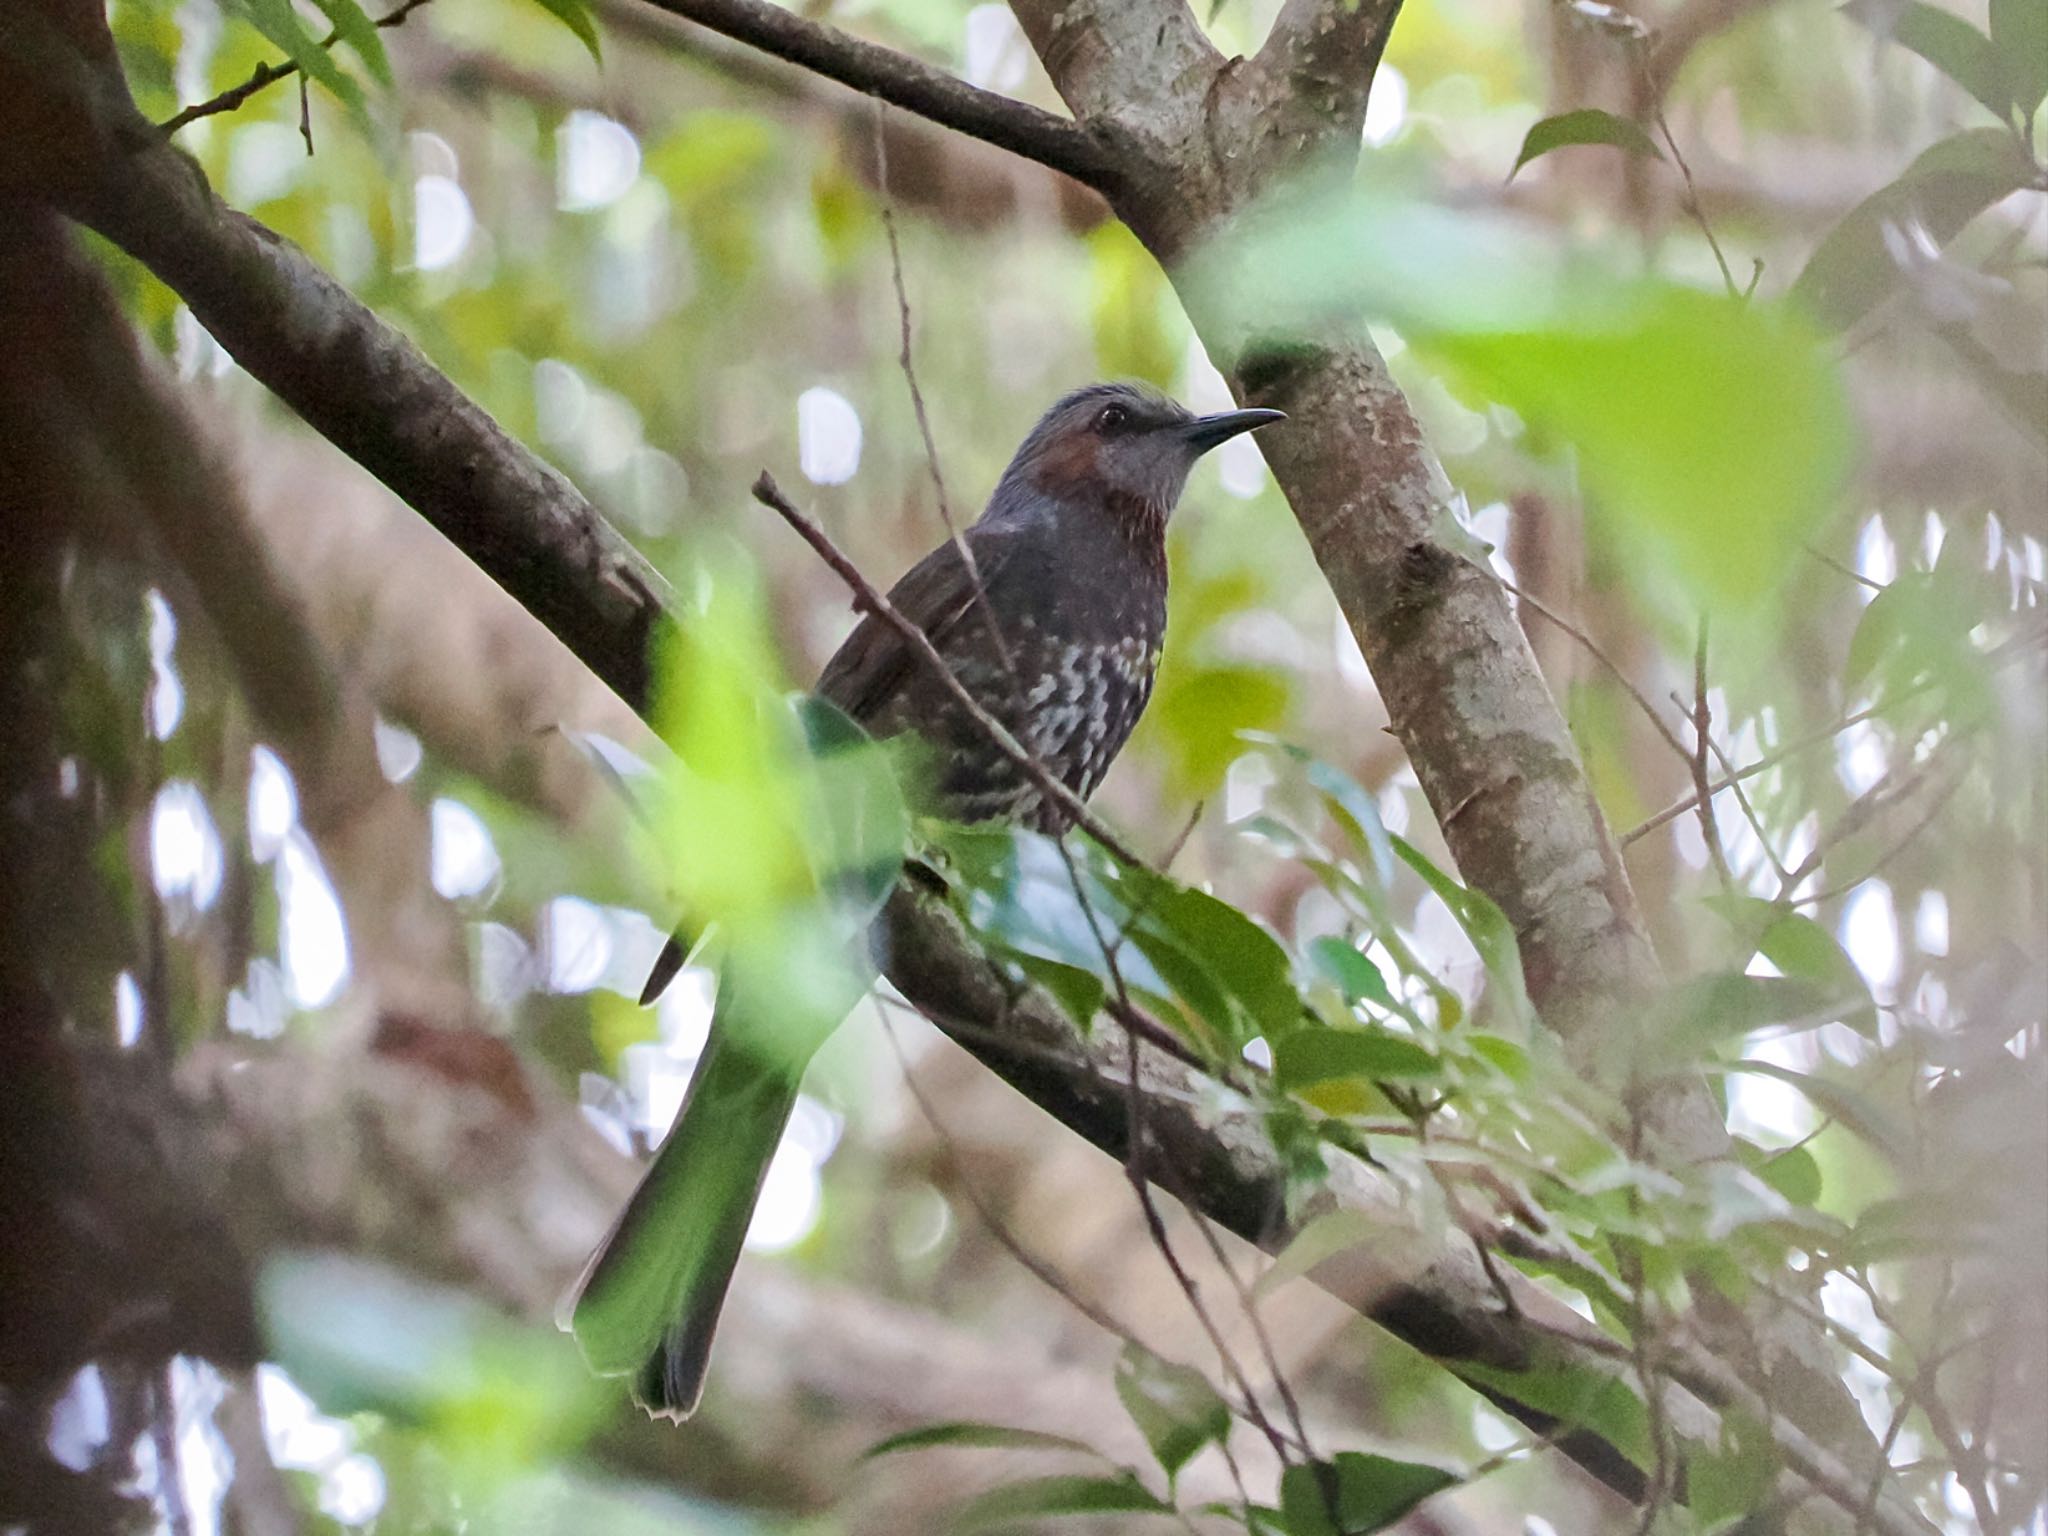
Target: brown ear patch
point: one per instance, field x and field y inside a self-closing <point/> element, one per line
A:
<point x="1070" y="463"/>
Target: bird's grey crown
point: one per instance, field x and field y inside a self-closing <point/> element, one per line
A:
<point x="1077" y="411"/>
<point x="1078" y="407"/>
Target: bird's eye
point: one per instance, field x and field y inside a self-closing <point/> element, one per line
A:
<point x="1112" y="417"/>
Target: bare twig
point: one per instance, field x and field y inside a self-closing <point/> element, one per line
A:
<point x="1702" y="739"/>
<point x="1650" y="710"/>
<point x="1748" y="810"/>
<point x="267" y="75"/>
<point x="1038" y="1268"/>
<point x="2006" y="651"/>
<point x="868" y="600"/>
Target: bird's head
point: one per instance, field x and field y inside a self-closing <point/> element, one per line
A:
<point x="1121" y="447"/>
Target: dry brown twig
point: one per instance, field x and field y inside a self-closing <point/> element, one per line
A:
<point x="267" y="75"/>
<point x="868" y="600"/>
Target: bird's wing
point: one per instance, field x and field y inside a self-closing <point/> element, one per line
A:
<point x="936" y="594"/>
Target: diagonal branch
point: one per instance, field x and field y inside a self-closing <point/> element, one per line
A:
<point x="371" y="392"/>
<point x="1089" y="153"/>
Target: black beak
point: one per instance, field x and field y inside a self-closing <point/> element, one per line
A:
<point x="1205" y="432"/>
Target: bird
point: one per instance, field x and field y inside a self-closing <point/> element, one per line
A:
<point x="1050" y="609"/>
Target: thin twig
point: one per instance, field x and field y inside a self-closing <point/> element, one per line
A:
<point x="1135" y="1174"/>
<point x="1650" y="711"/>
<point x="906" y="363"/>
<point x="1702" y="736"/>
<point x="1941" y="798"/>
<point x="868" y="600"/>
<point x="1749" y="811"/>
<point x="1639" y="53"/>
<point x="2006" y="651"/>
<point x="267" y="75"/>
<point x="1039" y="1269"/>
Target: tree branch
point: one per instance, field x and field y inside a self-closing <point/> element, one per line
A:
<point x="1318" y="63"/>
<point x="1088" y="153"/>
<point x="354" y="379"/>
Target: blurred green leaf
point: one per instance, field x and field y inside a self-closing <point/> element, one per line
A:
<point x="279" y="22"/>
<point x="1127" y="307"/>
<point x="1174" y="1407"/>
<point x="1851" y="271"/>
<point x="964" y="1432"/>
<point x="352" y="25"/>
<point x="2019" y="28"/>
<point x="1578" y="1397"/>
<point x="149" y="41"/>
<point x="1793" y="1172"/>
<point x="1713" y="434"/>
<point x="1202" y="712"/>
<point x="1801" y="947"/>
<point x="1316" y="1054"/>
<point x="1854" y="1109"/>
<point x="1917" y="627"/>
<point x="1356" y="976"/>
<point x="1323" y="1237"/>
<point x="1736" y="1478"/>
<point x="1355" y="1492"/>
<point x="1044" y="1496"/>
<point x="1703" y="1012"/>
<point x="575" y="15"/>
<point x="360" y="1336"/>
<point x="1080" y="993"/>
<point x="1588" y="125"/>
<point x="1944" y="40"/>
<point x="1485" y="924"/>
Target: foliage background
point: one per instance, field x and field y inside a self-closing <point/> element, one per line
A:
<point x="666" y="263"/>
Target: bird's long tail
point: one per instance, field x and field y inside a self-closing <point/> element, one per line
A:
<point x="648" y="1301"/>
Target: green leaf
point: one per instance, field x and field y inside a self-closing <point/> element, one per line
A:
<point x="1917" y="628"/>
<point x="1578" y="1397"/>
<point x="967" y="1432"/>
<point x="1655" y="397"/>
<point x="1802" y="948"/>
<point x="1241" y="955"/>
<point x="1355" y="976"/>
<point x="1944" y="40"/>
<point x="1793" y="1172"/>
<point x="353" y="26"/>
<point x="1703" y="1012"/>
<point x="575" y="15"/>
<point x="277" y="21"/>
<point x="1174" y="1407"/>
<point x="1043" y="1496"/>
<point x="1325" y="1236"/>
<point x="1951" y="182"/>
<point x="1484" y="923"/>
<point x="1202" y="713"/>
<point x="1363" y="1492"/>
<point x="2019" y="28"/>
<point x="1859" y="1113"/>
<point x="1589" y="125"/>
<point x="1737" y="1477"/>
<point x="1712" y="434"/>
<point x="1315" y="1054"/>
<point x="1079" y="993"/>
